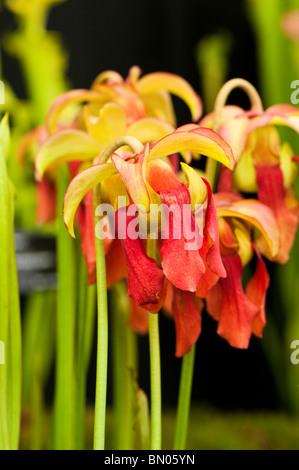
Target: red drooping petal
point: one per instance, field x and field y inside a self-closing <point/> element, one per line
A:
<point x="46" y="202"/>
<point x="209" y="279"/>
<point x="187" y="316"/>
<point x="145" y="278"/>
<point x="225" y="180"/>
<point x="116" y="268"/>
<point x="271" y="192"/>
<point x="214" y="301"/>
<point x="156" y="306"/>
<point x="88" y="238"/>
<point x="168" y="301"/>
<point x="211" y="234"/>
<point x="237" y="313"/>
<point x="181" y="261"/>
<point x="256" y="292"/>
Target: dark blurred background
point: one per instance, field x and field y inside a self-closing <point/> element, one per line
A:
<point x="164" y="35"/>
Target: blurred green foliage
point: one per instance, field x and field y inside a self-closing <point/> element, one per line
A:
<point x="209" y="429"/>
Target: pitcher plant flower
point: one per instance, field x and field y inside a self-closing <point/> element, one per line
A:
<point x="264" y="165"/>
<point x="242" y="223"/>
<point x="147" y="96"/>
<point x="79" y="127"/>
<point x="147" y="181"/>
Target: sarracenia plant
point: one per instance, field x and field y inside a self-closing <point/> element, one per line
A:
<point x="121" y="148"/>
<point x="136" y="107"/>
<point x="10" y="321"/>
<point x="148" y="283"/>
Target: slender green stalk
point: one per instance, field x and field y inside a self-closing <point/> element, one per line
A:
<point x="278" y="60"/>
<point x="184" y="400"/>
<point x="90" y="318"/>
<point x="102" y="328"/>
<point x="212" y="56"/>
<point x="155" y="370"/>
<point x="272" y="50"/>
<point x="84" y="337"/>
<point x="65" y="327"/>
<point x="143" y="419"/>
<point x="80" y="387"/>
<point x="102" y="332"/>
<point x="123" y="362"/>
<point x="38" y="355"/>
<point x="37" y="406"/>
<point x="14" y="362"/>
<point x="10" y="326"/>
<point x="42" y="60"/>
<point x="4" y="301"/>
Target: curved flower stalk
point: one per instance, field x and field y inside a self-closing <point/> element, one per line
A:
<point x="264" y="165"/>
<point x="147" y="181"/>
<point x="242" y="223"/>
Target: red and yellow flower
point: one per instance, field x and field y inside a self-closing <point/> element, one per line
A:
<point x="242" y="224"/>
<point x="80" y="124"/>
<point x="264" y="165"/>
<point x="146" y="179"/>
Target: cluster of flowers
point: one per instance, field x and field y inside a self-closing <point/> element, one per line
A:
<point x="121" y="136"/>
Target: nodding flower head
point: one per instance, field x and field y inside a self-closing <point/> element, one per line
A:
<point x="243" y="223"/>
<point x="146" y="181"/>
<point x="265" y="166"/>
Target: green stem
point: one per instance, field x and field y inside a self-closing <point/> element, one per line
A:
<point x="38" y="354"/>
<point x="212" y="54"/>
<point x="142" y="419"/>
<point x="80" y="387"/>
<point x="185" y="392"/>
<point x="102" y="333"/>
<point x="85" y="329"/>
<point x="4" y="301"/>
<point x="124" y="362"/>
<point x="272" y="50"/>
<point x="89" y="323"/>
<point x="14" y="370"/>
<point x="42" y="60"/>
<point x="155" y="369"/>
<point x="66" y="314"/>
